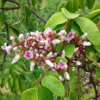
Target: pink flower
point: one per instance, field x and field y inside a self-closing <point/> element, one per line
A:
<point x="48" y="31"/>
<point x="28" y="55"/>
<point x="60" y="77"/>
<point x="4" y="47"/>
<point x="61" y="65"/>
<point x="39" y="38"/>
<point x="48" y="42"/>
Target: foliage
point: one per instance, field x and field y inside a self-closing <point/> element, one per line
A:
<point x="80" y="15"/>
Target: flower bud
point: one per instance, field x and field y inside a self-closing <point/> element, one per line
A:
<point x="67" y="75"/>
<point x="17" y="57"/>
<point x="32" y="65"/>
<point x="48" y="62"/>
<point x="86" y="43"/>
<point x="49" y="55"/>
<point x="84" y="35"/>
<point x="12" y="38"/>
<point x="78" y="63"/>
<point x="15" y="48"/>
<point x="21" y="37"/>
<point x="56" y="41"/>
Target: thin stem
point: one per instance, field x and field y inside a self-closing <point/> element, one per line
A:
<point x="20" y="21"/>
<point x="36" y="14"/>
<point x="67" y="90"/>
<point x="66" y="24"/>
<point x="40" y="80"/>
<point x="69" y="26"/>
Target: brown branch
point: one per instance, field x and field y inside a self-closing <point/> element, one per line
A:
<point x="11" y="8"/>
<point x="66" y="24"/>
<point x="35" y="13"/>
<point x="6" y="26"/>
<point x="40" y="80"/>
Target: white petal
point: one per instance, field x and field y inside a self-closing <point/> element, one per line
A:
<point x="48" y="62"/>
<point x="17" y="57"/>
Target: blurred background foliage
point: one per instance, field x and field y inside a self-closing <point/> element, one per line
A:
<point x="14" y="79"/>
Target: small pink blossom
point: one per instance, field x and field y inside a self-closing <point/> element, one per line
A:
<point x="4" y="47"/>
<point x="28" y="55"/>
<point x="39" y="38"/>
<point x="61" y="79"/>
<point x="61" y="65"/>
<point x="48" y="42"/>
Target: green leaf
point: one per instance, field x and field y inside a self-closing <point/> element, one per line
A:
<point x="77" y="29"/>
<point x="73" y="95"/>
<point x="59" y="27"/>
<point x="20" y="69"/>
<point x="97" y="73"/>
<point x="82" y="3"/>
<point x="43" y="4"/>
<point x="93" y="14"/>
<point x="88" y="26"/>
<point x="61" y="5"/>
<point x="97" y="6"/>
<point x="10" y="81"/>
<point x="69" y="6"/>
<point x="22" y="85"/>
<point x="28" y="13"/>
<point x="14" y="31"/>
<point x="57" y="18"/>
<point x="97" y="48"/>
<point x="29" y="94"/>
<point x="4" y="81"/>
<point x="68" y="14"/>
<point x="69" y="50"/>
<point x="90" y="3"/>
<point x="73" y="83"/>
<point x="59" y="47"/>
<point x="43" y="93"/>
<point x="53" y="84"/>
<point x="16" y="84"/>
<point x="2" y="17"/>
<point x="61" y="58"/>
<point x="52" y="73"/>
<point x="91" y="51"/>
<point x="34" y="2"/>
<point x="75" y="5"/>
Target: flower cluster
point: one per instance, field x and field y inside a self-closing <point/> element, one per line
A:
<point x="41" y="47"/>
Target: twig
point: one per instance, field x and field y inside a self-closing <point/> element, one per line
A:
<point x="67" y="90"/>
<point x="35" y="13"/>
<point x="66" y="24"/>
<point x="20" y="21"/>
<point x="69" y="26"/>
<point x="40" y="80"/>
<point x="6" y="26"/>
<point x="11" y="8"/>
